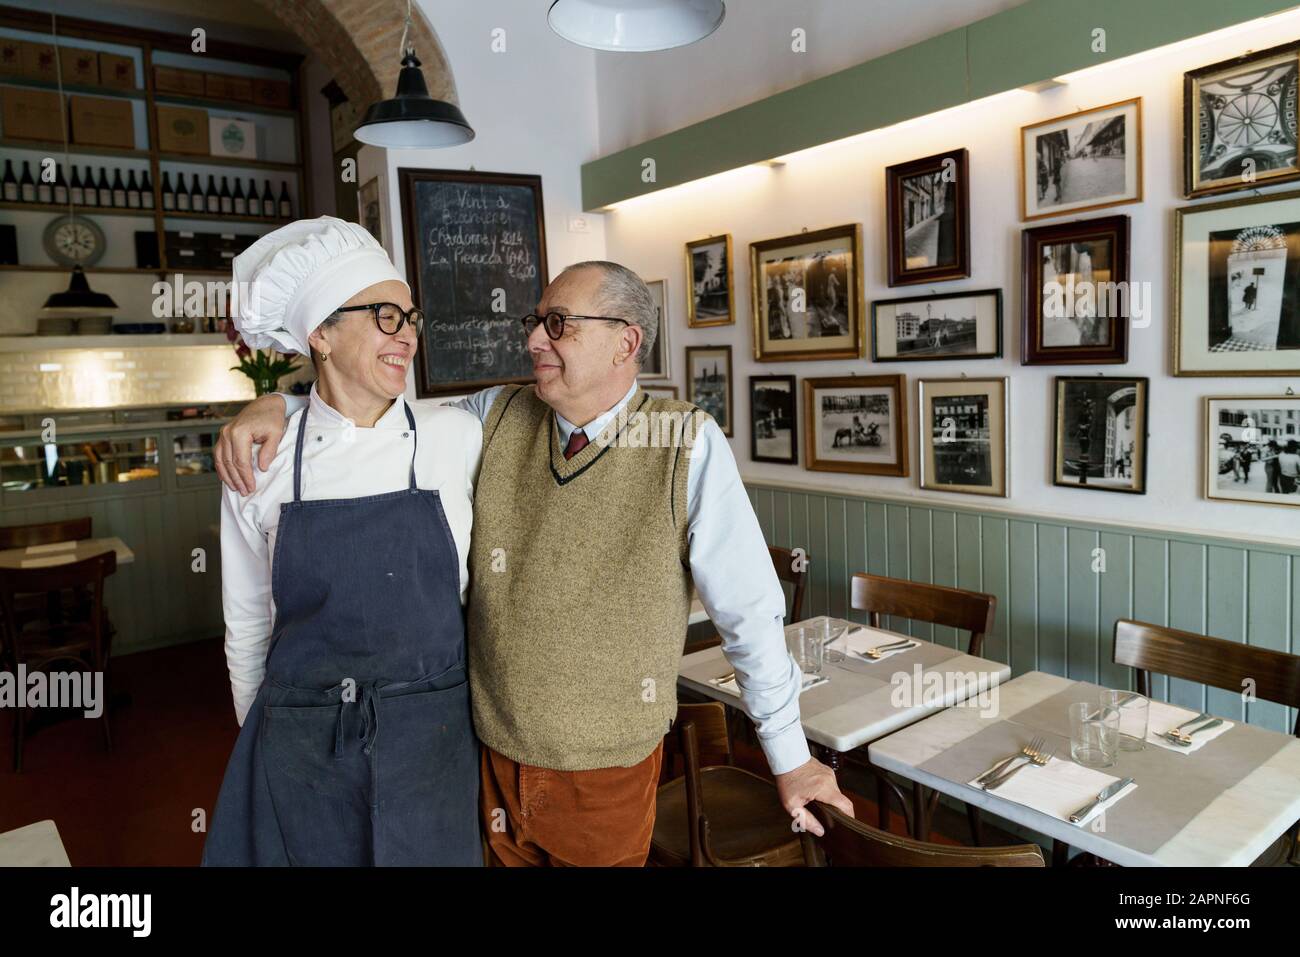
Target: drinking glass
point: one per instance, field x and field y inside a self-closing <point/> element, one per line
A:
<point x="1133" y="710"/>
<point x="1094" y="734"/>
<point x="807" y="646"/>
<point x="827" y="629"/>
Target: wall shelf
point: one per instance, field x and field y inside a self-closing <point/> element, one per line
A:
<point x="161" y="340"/>
<point x="115" y="270"/>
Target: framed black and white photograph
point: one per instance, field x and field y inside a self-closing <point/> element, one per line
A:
<point x="928" y="219"/>
<point x="659" y="390"/>
<point x="709" y="300"/>
<point x="956" y="325"/>
<point x="1075" y="292"/>
<point x="963" y="431"/>
<point x="1101" y="433"/>
<point x="1252" y="448"/>
<point x="370" y="210"/>
<point x="1239" y="122"/>
<point x="773" y="435"/>
<point x="856" y="424"/>
<point x="657" y="363"/>
<point x="708" y="382"/>
<point x="1086" y="160"/>
<point x="806" y="295"/>
<point x="1237" y="308"/>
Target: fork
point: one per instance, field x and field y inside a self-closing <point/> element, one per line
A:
<point x="881" y="650"/>
<point x="1028" y="751"/>
<point x="1038" y="760"/>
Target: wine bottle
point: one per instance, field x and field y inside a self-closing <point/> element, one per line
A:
<point x="27" y="185"/>
<point x="119" y="190"/>
<point x="44" y="189"/>
<point x="146" y="191"/>
<point x="105" y="191"/>
<point x="254" y="204"/>
<point x="238" y="202"/>
<point x="75" y="192"/>
<point x="213" y="204"/>
<point x="197" y="202"/>
<point x="227" y="204"/>
<point x="60" y="186"/>
<point x="89" y="194"/>
<point x="132" y="191"/>
<point x="286" y="207"/>
<point x="169" y="197"/>
<point x="268" y="201"/>
<point x="10" y="183"/>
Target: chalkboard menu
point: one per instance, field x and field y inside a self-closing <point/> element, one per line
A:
<point x="476" y="262"/>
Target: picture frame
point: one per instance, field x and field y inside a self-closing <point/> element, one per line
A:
<point x="1268" y="427"/>
<point x="659" y="390"/>
<point x="1240" y="122"/>
<point x="806" y="295"/>
<point x="927" y="227"/>
<point x="773" y="419"/>
<point x="370" y="210"/>
<point x="710" y="387"/>
<point x="962" y="427"/>
<point x="1100" y="433"/>
<point x="969" y="326"/>
<point x="658" y="364"/>
<point x="856" y="424"/>
<point x="1237" y="277"/>
<point x="710" y="295"/>
<point x="1074" y="292"/>
<point x="1082" y="161"/>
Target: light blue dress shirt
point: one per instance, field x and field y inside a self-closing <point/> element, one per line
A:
<point x="733" y="574"/>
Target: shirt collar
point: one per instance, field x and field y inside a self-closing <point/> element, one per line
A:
<point x="594" y="427"/>
<point x="325" y="415"/>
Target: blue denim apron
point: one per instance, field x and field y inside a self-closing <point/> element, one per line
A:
<point x="359" y="747"/>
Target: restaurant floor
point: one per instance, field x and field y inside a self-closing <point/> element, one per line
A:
<point x="145" y="802"/>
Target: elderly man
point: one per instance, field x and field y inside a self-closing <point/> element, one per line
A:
<point x="585" y="546"/>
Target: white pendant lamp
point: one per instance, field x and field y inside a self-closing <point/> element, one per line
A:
<point x="412" y="119"/>
<point x="635" y="26"/>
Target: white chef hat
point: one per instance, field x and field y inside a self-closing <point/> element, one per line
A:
<point x="289" y="281"/>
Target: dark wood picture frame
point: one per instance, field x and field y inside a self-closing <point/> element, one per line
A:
<point x="729" y="426"/>
<point x="1114" y="229"/>
<point x="793" y="457"/>
<point x="900" y="274"/>
<point x="996" y="294"/>
<point x="1141" y="403"/>
<point x="692" y="320"/>
<point x="408" y="179"/>
<point x="1193" y="130"/>
<point x="900" y="464"/>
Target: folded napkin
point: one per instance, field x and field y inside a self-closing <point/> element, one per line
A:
<point x="860" y="638"/>
<point x="51" y="547"/>
<point x="730" y="686"/>
<point x="1059" y="788"/>
<point x="1162" y="717"/>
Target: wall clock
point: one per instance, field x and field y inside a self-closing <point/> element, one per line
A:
<point x="74" y="241"/>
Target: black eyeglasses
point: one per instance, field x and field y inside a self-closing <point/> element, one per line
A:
<point x="390" y="317"/>
<point x="554" y="322"/>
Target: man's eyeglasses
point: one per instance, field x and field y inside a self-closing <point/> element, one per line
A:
<point x="390" y="317"/>
<point x="554" y="322"/>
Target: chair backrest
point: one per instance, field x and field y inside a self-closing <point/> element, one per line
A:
<point x="699" y="738"/>
<point x="1211" y="661"/>
<point x="794" y="572"/>
<point x="937" y="604"/>
<point x="45" y="533"/>
<point x="853" y="843"/>
<point x="88" y="574"/>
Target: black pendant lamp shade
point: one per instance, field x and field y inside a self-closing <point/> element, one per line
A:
<point x="413" y="119"/>
<point x="79" y="298"/>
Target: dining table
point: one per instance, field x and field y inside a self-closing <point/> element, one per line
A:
<point x="863" y="700"/>
<point x="65" y="553"/>
<point x="1222" y="803"/>
<point x="33" y="845"/>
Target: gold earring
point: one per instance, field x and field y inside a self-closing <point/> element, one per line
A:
<point x="324" y="357"/>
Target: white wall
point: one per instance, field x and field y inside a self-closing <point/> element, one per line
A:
<point x="845" y="184"/>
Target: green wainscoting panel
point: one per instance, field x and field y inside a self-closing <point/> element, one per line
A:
<point x="1029" y="43"/>
<point x="1061" y="585"/>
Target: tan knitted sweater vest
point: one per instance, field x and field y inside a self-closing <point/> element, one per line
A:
<point x="579" y="583"/>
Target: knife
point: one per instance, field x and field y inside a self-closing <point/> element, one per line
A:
<point x="1106" y="794"/>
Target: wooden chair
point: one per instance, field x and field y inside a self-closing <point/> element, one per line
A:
<point x="716" y="815"/>
<point x="33" y="607"/>
<point x="783" y="560"/>
<point x="938" y="605"/>
<point x="850" y="843"/>
<point x="81" y="639"/>
<point x="1211" y="661"/>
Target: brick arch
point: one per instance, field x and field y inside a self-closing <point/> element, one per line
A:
<point x="357" y="40"/>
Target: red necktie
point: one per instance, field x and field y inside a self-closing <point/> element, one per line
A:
<point x="577" y="442"/>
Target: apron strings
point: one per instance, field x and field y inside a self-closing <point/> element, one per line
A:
<point x="369" y="719"/>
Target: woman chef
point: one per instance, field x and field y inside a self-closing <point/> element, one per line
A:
<point x="343" y="581"/>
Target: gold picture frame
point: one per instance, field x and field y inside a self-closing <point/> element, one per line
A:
<point x="1047" y="178"/>
<point x="974" y="439"/>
